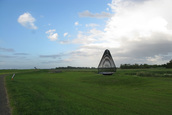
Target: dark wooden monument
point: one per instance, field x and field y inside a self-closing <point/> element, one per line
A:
<point x="106" y="65"/>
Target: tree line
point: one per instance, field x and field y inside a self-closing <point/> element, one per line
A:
<point x="145" y="66"/>
<point x="71" y="67"/>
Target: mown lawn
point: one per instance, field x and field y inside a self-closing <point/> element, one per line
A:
<point x="132" y="92"/>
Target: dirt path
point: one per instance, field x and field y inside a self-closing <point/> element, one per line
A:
<point x="4" y="107"/>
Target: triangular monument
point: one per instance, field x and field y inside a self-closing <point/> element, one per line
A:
<point x="106" y="65"/>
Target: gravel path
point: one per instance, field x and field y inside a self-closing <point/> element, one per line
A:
<point x="4" y="107"/>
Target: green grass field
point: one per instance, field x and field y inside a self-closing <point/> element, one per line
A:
<point x="82" y="92"/>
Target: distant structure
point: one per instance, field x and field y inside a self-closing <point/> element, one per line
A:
<point x="106" y="65"/>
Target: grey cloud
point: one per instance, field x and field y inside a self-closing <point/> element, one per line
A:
<point x="47" y="62"/>
<point x="7" y="56"/>
<point x="12" y="56"/>
<point x="159" y="44"/>
<point x="58" y="61"/>
<point x="142" y="50"/>
<point x="64" y="41"/>
<point x="96" y="15"/>
<point x="78" y="53"/>
<point x="50" y="56"/>
<point x="6" y="49"/>
<point x="21" y="54"/>
<point x="148" y="49"/>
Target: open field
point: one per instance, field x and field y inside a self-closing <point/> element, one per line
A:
<point x="86" y="92"/>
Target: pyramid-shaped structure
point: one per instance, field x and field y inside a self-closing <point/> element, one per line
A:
<point x="106" y="65"/>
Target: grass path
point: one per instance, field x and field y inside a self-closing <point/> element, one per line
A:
<point x="4" y="107"/>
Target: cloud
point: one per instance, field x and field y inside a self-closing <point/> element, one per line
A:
<point x="6" y="49"/>
<point x="107" y="9"/>
<point x="20" y="54"/>
<point x="7" y="56"/>
<point x="58" y="61"/>
<point x="76" y="23"/>
<point x="51" y="56"/>
<point x="27" y="20"/>
<point x="52" y="36"/>
<point x="65" y="34"/>
<point x="156" y="59"/>
<point x="138" y="32"/>
<point x="96" y="15"/>
<point x="89" y="37"/>
<point x="92" y="25"/>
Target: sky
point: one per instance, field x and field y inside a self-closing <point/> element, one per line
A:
<point x="59" y="33"/>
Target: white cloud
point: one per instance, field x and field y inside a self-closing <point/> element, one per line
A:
<point x="89" y="37"/>
<point x="96" y="15"/>
<point x="92" y="25"/>
<point x="141" y="19"/>
<point x="156" y="59"/>
<point x="76" y="23"/>
<point x="52" y="35"/>
<point x="138" y="32"/>
<point x="107" y="9"/>
<point x="27" y="20"/>
<point x="65" y="34"/>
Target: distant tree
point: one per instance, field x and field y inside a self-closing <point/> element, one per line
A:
<point x="169" y="65"/>
<point x="141" y="66"/>
<point x="71" y="67"/>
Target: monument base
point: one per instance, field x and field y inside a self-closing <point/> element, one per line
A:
<point x="106" y="73"/>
